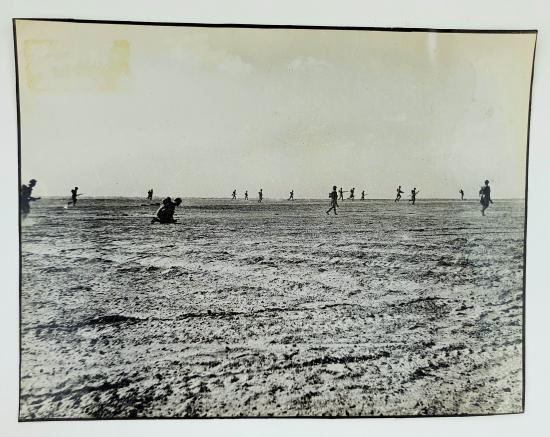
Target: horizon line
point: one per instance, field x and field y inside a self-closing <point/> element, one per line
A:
<point x="49" y="196"/>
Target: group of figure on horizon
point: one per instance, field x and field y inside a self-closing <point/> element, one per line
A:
<point x="291" y="195"/>
<point x="340" y="194"/>
<point x="260" y="195"/>
<point x="412" y="196"/>
<point x="165" y="214"/>
<point x="336" y="195"/>
<point x="25" y="197"/>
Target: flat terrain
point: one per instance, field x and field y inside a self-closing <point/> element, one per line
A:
<point x="247" y="309"/>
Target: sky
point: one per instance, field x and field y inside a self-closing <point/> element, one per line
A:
<point x="198" y="112"/>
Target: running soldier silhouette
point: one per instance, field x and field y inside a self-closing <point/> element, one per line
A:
<point x="333" y="195"/>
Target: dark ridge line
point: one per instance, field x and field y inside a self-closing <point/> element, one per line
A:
<point x="423" y="372"/>
<point x="85" y="389"/>
<point x="253" y="313"/>
<point x="420" y="299"/>
<point x="467" y="234"/>
<point x="338" y="360"/>
<point x="111" y="319"/>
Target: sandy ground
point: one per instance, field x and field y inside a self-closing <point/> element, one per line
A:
<point x="247" y="309"/>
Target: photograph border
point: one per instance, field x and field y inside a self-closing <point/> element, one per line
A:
<point x="296" y="27"/>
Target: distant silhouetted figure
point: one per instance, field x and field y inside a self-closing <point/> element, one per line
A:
<point x="291" y="197"/>
<point x="461" y="194"/>
<point x="352" y="193"/>
<point x="341" y="196"/>
<point x="25" y="197"/>
<point x="234" y="195"/>
<point x="246" y="195"/>
<point x="363" y="195"/>
<point x="399" y="192"/>
<point x="165" y="214"/>
<point x="414" y="192"/>
<point x="260" y="195"/>
<point x="150" y="194"/>
<point x="74" y="195"/>
<point x="485" y="199"/>
<point x="333" y="195"/>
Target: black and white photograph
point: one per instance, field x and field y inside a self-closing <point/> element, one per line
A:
<point x="237" y="220"/>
